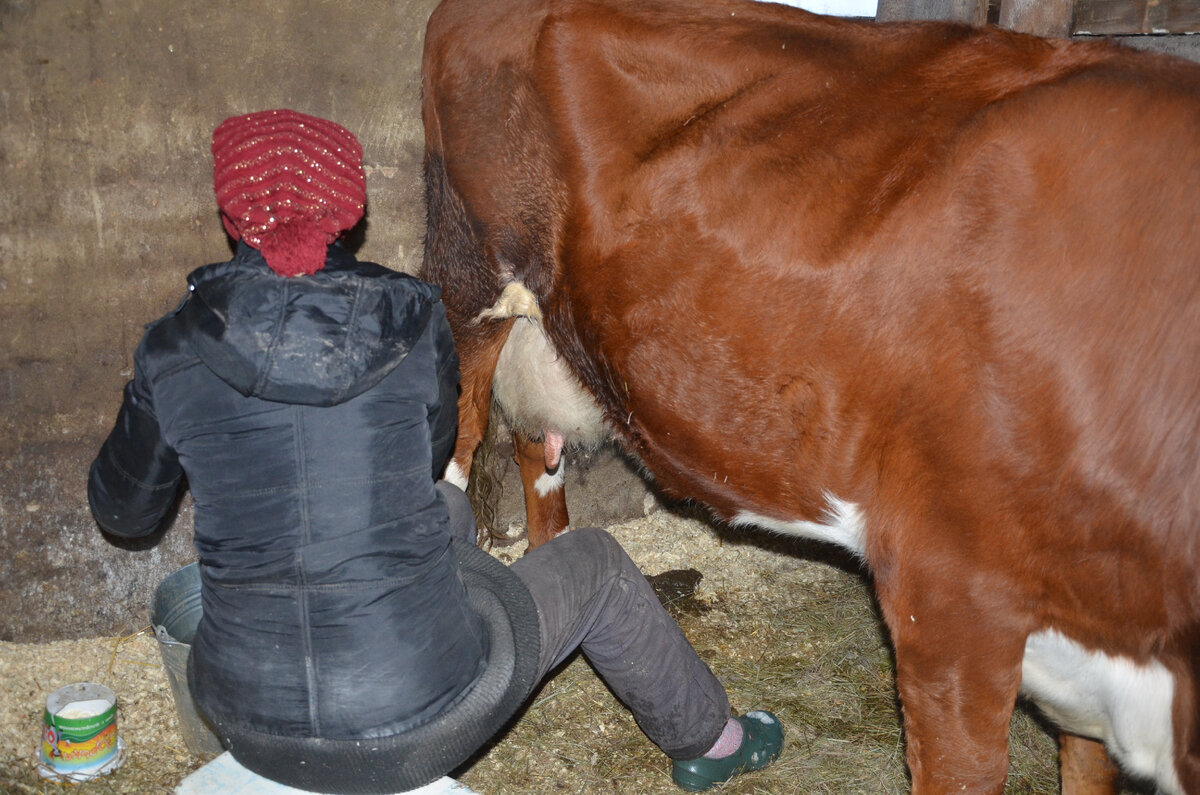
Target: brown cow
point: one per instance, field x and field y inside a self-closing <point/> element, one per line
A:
<point x="927" y="292"/>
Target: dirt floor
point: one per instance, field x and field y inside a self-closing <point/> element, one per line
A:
<point x="784" y="627"/>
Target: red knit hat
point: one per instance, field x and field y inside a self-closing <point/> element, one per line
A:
<point x="288" y="184"/>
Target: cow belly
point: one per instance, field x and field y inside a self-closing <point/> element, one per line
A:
<point x="843" y="525"/>
<point x="536" y="392"/>
<point x="1127" y="706"/>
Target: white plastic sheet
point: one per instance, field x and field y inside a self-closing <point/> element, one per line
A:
<point x="839" y="8"/>
<point x="224" y="776"/>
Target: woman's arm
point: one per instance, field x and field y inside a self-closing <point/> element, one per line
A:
<point x="135" y="478"/>
<point x="443" y="419"/>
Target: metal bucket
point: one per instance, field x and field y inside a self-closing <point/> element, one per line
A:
<point x="175" y="615"/>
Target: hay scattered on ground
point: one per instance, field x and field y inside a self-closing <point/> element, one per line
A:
<point x="156" y="758"/>
<point x="780" y="630"/>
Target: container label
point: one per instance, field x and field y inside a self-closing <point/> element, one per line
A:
<point x="70" y="744"/>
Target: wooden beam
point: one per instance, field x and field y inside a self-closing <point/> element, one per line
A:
<point x="973" y="12"/>
<point x="1039" y="17"/>
<point x="1116" y="17"/>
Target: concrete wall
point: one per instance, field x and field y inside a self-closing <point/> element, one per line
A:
<point x="106" y="204"/>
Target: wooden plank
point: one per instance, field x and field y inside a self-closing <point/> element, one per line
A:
<point x="973" y="12"/>
<point x="1040" y="17"/>
<point x="1117" y="17"/>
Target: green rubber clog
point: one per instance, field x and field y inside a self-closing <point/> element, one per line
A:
<point x="762" y="740"/>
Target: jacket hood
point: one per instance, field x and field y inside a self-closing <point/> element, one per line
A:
<point x="315" y="340"/>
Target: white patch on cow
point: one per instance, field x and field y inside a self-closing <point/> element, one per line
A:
<point x="548" y="482"/>
<point x="455" y="476"/>
<point x="536" y="392"/>
<point x="516" y="300"/>
<point x="843" y="525"/>
<point x="1112" y="699"/>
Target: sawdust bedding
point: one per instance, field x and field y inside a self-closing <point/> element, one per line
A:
<point x="780" y="629"/>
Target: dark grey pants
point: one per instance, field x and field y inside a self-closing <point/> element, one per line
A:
<point x="590" y="595"/>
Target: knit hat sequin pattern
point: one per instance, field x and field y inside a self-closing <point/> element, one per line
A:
<point x="288" y="184"/>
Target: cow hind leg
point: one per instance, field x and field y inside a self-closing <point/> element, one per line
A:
<point x="1086" y="767"/>
<point x="477" y="357"/>
<point x="956" y="722"/>
<point x="477" y="365"/>
<point x="542" y="471"/>
<point x="958" y="672"/>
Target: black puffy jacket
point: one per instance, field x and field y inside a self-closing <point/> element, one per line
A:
<point x="310" y="416"/>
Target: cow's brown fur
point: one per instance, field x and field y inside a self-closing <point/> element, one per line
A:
<point x="950" y="275"/>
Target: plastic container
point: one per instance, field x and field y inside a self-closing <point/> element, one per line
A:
<point x="79" y="734"/>
<point x="175" y="614"/>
